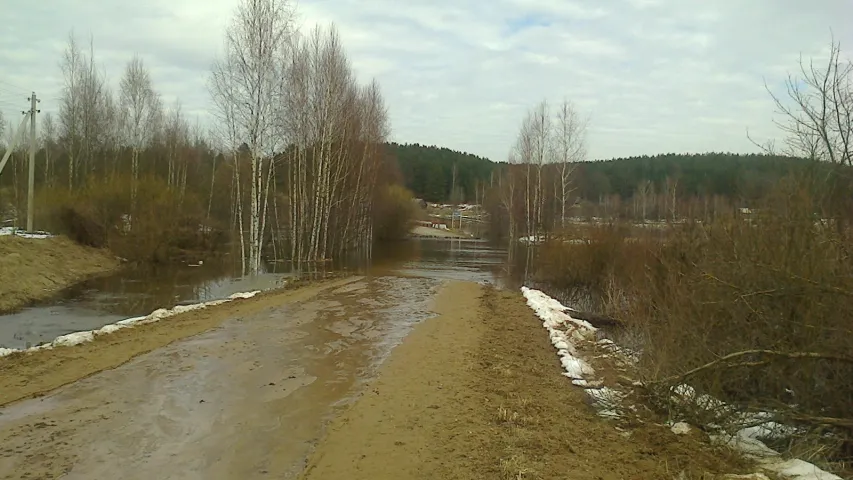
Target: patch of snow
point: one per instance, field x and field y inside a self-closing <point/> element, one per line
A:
<point x="532" y="239"/>
<point x="772" y="461"/>
<point x="680" y="428"/>
<point x="554" y="318"/>
<point x="242" y="295"/>
<point x="22" y="233"/>
<point x="77" y="338"/>
<point x="72" y="339"/>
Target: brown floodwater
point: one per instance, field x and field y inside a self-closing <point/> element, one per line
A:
<point x="134" y="292"/>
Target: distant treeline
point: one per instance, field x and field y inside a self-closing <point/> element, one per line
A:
<point x="428" y="172"/>
<point x="746" y="176"/>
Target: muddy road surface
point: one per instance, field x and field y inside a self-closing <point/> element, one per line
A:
<point x="373" y="378"/>
<point x="245" y="400"/>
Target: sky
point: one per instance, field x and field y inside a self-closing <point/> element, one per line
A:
<point x="651" y="76"/>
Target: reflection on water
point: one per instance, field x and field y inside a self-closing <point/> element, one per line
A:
<point x="468" y="260"/>
<point x="130" y="292"/>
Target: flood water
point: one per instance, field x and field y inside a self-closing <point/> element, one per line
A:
<point x="130" y="292"/>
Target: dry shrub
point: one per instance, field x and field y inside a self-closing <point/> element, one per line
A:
<point x="393" y="211"/>
<point x="592" y="266"/>
<point x="163" y="226"/>
<point x="754" y="311"/>
<point x="751" y="310"/>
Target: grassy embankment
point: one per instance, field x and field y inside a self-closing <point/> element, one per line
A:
<point x="36" y="268"/>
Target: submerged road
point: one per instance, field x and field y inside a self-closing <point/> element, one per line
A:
<point x="244" y="400"/>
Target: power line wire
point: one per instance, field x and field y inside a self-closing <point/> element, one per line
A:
<point x="13" y="86"/>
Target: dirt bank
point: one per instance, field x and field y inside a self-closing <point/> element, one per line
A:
<point x="34" y="269"/>
<point x="476" y="393"/>
<point x="24" y="375"/>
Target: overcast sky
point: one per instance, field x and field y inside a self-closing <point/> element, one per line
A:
<point x="653" y="76"/>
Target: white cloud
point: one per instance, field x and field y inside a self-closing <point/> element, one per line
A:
<point x="652" y="75"/>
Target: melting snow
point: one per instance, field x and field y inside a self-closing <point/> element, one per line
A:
<point x="77" y="338"/>
<point x="554" y="317"/>
<point x="22" y="233"/>
<point x="680" y="428"/>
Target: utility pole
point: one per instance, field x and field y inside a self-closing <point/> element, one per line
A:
<point x="31" y="192"/>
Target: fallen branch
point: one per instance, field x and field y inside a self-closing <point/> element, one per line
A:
<point x="773" y="353"/>
<point x="828" y="421"/>
<point x="595" y="319"/>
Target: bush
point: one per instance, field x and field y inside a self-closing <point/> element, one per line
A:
<point x="588" y="264"/>
<point x="394" y="209"/>
<point x="164" y="225"/>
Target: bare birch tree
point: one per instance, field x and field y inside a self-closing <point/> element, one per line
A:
<point x="569" y="148"/>
<point x="506" y="187"/>
<point x="246" y="83"/>
<point x="93" y="118"/>
<point x="70" y="104"/>
<point x="139" y="106"/>
<point x="533" y="149"/>
<point x="48" y="141"/>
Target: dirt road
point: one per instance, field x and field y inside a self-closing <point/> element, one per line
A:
<point x="476" y="393"/>
<point x="42" y="266"/>
<point x="472" y="393"/>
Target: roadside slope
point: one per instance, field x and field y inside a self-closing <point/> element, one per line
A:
<point x="477" y="393"/>
<point x="36" y="268"/>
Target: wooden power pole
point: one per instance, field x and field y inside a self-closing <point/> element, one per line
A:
<point x="32" y="173"/>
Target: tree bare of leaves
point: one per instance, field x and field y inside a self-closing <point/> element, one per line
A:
<point x="336" y="128"/>
<point x="818" y="113"/>
<point x="569" y="148"/>
<point x="246" y="89"/>
<point x="70" y="104"/>
<point x="140" y="105"/>
<point x="817" y="120"/>
<point x="48" y="139"/>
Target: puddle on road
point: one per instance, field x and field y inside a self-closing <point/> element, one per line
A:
<point x="248" y="398"/>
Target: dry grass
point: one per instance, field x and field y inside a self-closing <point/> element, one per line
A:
<point x="36" y="269"/>
<point x="540" y="426"/>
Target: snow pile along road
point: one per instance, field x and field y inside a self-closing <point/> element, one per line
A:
<point x="77" y="338"/>
<point x="23" y="234"/>
<point x="567" y="334"/>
